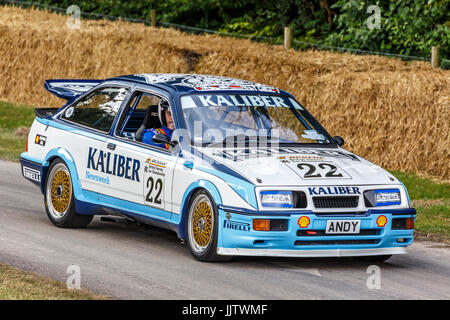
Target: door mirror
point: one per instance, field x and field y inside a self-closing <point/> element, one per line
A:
<point x="162" y="138"/>
<point x="338" y="140"/>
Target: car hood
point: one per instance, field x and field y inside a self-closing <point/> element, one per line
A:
<point x="300" y="166"/>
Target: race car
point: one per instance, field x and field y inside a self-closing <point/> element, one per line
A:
<point x="234" y="167"/>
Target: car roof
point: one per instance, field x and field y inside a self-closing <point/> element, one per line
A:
<point x="197" y="83"/>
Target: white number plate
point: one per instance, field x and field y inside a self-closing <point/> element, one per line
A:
<point x="343" y="226"/>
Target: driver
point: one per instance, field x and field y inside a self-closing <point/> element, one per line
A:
<point x="165" y="116"/>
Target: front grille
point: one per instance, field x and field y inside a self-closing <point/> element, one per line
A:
<point x="335" y="202"/>
<point x="334" y="242"/>
<point x="299" y="199"/>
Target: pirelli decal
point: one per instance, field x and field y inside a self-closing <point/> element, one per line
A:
<point x="31" y="174"/>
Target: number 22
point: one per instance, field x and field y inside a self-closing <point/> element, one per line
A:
<point x="310" y="174"/>
<point x="158" y="188"/>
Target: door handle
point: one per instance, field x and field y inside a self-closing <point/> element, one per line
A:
<point x="189" y="164"/>
<point x="111" y="146"/>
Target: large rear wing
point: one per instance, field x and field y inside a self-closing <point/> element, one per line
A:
<point x="68" y="89"/>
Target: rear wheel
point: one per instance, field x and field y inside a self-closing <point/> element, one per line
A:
<point x="202" y="228"/>
<point x="59" y="200"/>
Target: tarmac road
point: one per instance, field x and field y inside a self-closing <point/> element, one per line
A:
<point x="130" y="261"/>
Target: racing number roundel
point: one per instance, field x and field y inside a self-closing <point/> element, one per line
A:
<point x="154" y="182"/>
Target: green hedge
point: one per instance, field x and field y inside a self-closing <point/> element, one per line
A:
<point x="406" y="27"/>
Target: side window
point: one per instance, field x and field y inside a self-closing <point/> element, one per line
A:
<point x="143" y="116"/>
<point x="98" y="109"/>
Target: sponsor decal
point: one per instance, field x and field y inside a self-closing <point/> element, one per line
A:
<point x="240" y="226"/>
<point x="301" y="158"/>
<point x="32" y="174"/>
<point x="318" y="191"/>
<point x="206" y="82"/>
<point x="69" y="112"/>
<point x="154" y="182"/>
<point x="96" y="178"/>
<point x="241" y="155"/>
<point x="40" y="140"/>
<point x="156" y="162"/>
<point x="155" y="166"/>
<point x="113" y="164"/>
<point x="241" y="101"/>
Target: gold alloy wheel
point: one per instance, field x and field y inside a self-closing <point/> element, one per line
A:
<point x="201" y="222"/>
<point x="59" y="192"/>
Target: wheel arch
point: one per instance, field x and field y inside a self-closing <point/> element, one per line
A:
<point x="202" y="184"/>
<point x="63" y="154"/>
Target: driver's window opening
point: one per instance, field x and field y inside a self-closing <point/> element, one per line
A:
<point x="142" y="114"/>
<point x="146" y="116"/>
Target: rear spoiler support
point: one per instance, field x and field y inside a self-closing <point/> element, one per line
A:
<point x="45" y="112"/>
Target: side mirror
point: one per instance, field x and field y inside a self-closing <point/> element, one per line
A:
<point x="338" y="140"/>
<point x="162" y="138"/>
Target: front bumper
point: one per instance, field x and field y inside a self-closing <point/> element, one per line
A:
<point x="237" y="236"/>
<point x="311" y="253"/>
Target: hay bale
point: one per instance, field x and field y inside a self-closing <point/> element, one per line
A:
<point x="393" y="113"/>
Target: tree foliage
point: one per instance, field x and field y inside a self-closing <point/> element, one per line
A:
<point x="406" y="27"/>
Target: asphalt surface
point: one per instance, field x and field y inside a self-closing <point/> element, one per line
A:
<point x="130" y="261"/>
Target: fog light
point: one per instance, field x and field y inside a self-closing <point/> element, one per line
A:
<point x="381" y="221"/>
<point x="303" y="222"/>
<point x="261" y="224"/>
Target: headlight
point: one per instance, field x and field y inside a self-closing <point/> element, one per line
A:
<point x="277" y="199"/>
<point x="386" y="197"/>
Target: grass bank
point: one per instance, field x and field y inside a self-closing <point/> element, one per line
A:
<point x="431" y="199"/>
<point x="14" y="123"/>
<point x="17" y="284"/>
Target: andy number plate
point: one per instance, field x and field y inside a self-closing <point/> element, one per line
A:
<point x="343" y="226"/>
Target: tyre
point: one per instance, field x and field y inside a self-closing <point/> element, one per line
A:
<point x="59" y="200"/>
<point x="202" y="228"/>
<point x="380" y="258"/>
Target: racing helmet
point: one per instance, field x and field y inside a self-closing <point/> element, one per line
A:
<point x="162" y="107"/>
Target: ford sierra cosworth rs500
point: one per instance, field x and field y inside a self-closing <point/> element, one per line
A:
<point x="234" y="167"/>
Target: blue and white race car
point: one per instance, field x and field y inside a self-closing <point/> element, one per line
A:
<point x="232" y="166"/>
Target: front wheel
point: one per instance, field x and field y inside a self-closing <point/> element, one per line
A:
<point x="202" y="228"/>
<point x="59" y="200"/>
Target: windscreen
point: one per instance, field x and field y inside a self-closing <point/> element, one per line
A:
<point x="218" y="118"/>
